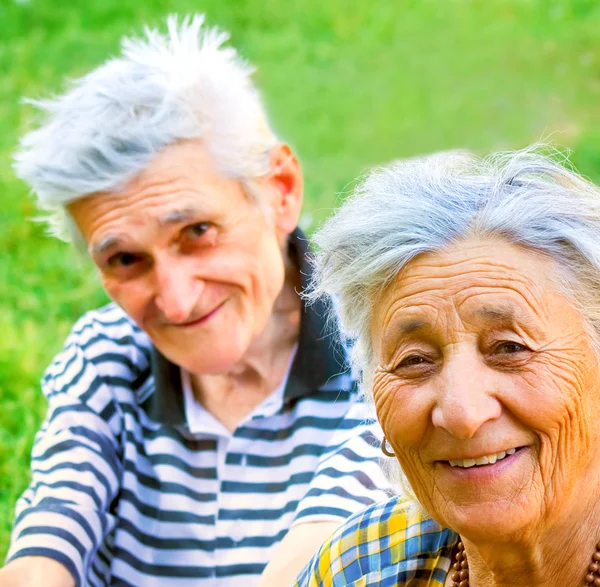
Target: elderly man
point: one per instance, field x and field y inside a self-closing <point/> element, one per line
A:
<point x="205" y="423"/>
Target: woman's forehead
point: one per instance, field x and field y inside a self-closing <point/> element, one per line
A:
<point x="485" y="280"/>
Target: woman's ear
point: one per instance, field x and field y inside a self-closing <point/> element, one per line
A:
<point x="286" y="185"/>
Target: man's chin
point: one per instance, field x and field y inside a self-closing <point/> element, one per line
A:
<point x="208" y="363"/>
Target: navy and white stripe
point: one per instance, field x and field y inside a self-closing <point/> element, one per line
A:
<point x="123" y="494"/>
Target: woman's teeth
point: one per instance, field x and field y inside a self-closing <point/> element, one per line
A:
<point x="486" y="460"/>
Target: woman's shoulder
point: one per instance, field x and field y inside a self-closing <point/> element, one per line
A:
<point x="393" y="538"/>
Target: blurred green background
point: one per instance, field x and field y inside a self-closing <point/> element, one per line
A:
<point x="349" y="83"/>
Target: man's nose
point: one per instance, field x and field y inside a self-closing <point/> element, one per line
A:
<point x="466" y="396"/>
<point x="178" y="290"/>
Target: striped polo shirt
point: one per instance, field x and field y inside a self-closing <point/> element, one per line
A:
<point x="123" y="492"/>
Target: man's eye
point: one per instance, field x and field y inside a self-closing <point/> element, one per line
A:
<point x="198" y="229"/>
<point x="123" y="260"/>
<point x="509" y="347"/>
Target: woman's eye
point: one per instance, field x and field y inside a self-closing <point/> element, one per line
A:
<point x="412" y="361"/>
<point x="509" y="348"/>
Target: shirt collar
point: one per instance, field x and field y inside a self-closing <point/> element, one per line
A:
<point x="320" y="356"/>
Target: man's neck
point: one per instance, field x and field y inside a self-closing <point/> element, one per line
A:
<point x="230" y="397"/>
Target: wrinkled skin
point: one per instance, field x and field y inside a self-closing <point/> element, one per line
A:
<point x="477" y="352"/>
<point x="193" y="260"/>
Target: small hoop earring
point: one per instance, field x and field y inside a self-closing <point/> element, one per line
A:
<point x="384" y="449"/>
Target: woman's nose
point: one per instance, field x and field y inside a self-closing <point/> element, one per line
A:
<point x="466" y="396"/>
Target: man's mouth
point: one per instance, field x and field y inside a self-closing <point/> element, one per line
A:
<point x="484" y="460"/>
<point x="201" y="319"/>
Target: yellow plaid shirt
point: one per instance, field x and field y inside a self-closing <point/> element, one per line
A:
<point x="389" y="544"/>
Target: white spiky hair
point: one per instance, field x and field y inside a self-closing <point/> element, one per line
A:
<point x="163" y="88"/>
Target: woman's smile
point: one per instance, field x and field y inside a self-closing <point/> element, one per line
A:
<point x="489" y="459"/>
<point x="495" y="467"/>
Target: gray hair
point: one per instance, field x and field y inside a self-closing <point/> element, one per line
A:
<point x="531" y="198"/>
<point x="163" y="88"/>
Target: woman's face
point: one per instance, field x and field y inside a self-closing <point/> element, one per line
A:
<point x="486" y="386"/>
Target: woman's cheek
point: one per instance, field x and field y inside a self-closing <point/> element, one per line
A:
<point x="403" y="417"/>
<point x="552" y="398"/>
<point x="385" y="391"/>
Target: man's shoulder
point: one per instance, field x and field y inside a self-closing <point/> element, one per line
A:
<point x="110" y="323"/>
<point x="108" y="332"/>
<point x="104" y="347"/>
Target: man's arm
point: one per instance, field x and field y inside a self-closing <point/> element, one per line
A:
<point x="348" y="479"/>
<point x="33" y="571"/>
<point x="64" y="515"/>
<point x="294" y="552"/>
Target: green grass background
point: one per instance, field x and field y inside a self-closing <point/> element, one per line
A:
<point x="349" y="83"/>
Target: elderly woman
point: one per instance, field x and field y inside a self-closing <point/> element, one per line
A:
<point x="472" y="289"/>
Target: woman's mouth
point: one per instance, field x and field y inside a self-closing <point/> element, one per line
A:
<point x="483" y="460"/>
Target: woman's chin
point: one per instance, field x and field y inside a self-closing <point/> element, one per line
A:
<point x="487" y="522"/>
<point x="487" y="501"/>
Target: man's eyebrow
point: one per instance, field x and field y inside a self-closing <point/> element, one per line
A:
<point x="179" y="216"/>
<point x="113" y="241"/>
<point x="107" y="243"/>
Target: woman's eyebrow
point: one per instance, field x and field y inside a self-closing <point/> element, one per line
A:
<point x="509" y="316"/>
<point x="496" y="314"/>
<point x="502" y="314"/>
<point x="408" y="326"/>
<point x="404" y="327"/>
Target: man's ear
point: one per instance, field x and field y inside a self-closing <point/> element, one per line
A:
<point x="286" y="186"/>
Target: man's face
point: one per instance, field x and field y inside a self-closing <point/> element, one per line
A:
<point x="185" y="252"/>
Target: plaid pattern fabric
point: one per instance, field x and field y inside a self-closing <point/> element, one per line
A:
<point x="389" y="544"/>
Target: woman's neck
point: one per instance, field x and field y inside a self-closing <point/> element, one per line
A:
<point x="560" y="555"/>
